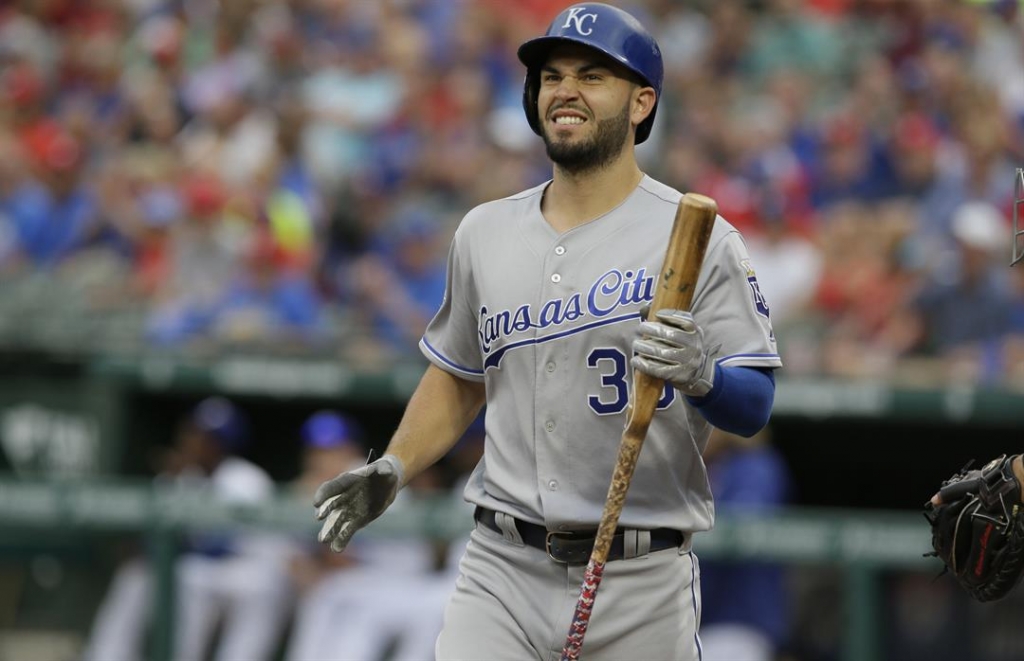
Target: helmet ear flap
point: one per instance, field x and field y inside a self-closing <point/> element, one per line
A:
<point x="531" y="86"/>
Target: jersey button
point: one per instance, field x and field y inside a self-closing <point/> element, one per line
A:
<point x="559" y="250"/>
<point x="550" y="366"/>
<point x="553" y="485"/>
<point x="556" y="278"/>
<point x="549" y="425"/>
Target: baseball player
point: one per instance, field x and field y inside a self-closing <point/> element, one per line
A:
<point x="235" y="579"/>
<point x="540" y="322"/>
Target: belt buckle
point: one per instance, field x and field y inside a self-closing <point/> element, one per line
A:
<point x="570" y="556"/>
<point x="547" y="546"/>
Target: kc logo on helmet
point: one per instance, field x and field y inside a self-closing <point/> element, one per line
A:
<point x="577" y="19"/>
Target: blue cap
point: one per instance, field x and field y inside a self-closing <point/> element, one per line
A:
<point x="223" y="420"/>
<point x="328" y="429"/>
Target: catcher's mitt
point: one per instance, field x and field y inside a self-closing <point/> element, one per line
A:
<point x="978" y="529"/>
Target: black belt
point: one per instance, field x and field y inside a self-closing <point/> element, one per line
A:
<point x="574" y="548"/>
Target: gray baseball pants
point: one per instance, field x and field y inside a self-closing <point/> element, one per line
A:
<point x="512" y="602"/>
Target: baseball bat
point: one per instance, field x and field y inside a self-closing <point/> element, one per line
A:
<point x="691" y="230"/>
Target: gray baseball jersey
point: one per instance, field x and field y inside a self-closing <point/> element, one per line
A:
<point x="546" y="321"/>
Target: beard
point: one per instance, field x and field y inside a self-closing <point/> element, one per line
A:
<point x="592" y="154"/>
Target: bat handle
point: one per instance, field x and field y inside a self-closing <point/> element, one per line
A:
<point x="584" y="607"/>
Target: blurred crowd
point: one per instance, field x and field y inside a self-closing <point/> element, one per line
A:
<point x="185" y="175"/>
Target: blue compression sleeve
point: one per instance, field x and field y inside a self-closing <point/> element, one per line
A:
<point x="740" y="401"/>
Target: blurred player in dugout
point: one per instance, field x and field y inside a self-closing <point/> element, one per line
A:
<point x="745" y="612"/>
<point x="231" y="587"/>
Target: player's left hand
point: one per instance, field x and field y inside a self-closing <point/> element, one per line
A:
<point x="672" y="348"/>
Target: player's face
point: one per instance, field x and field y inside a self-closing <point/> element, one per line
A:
<point x="587" y="108"/>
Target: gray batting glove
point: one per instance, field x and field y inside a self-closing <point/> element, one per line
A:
<point x="671" y="348"/>
<point x="353" y="499"/>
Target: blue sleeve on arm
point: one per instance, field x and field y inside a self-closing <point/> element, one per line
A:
<point x="740" y="401"/>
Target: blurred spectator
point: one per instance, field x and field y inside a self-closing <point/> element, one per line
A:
<point x="792" y="36"/>
<point x="348" y="96"/>
<point x="54" y="215"/>
<point x="203" y="252"/>
<point x="268" y="302"/>
<point x="866" y="283"/>
<point x="924" y="176"/>
<point x="228" y="134"/>
<point x="788" y="264"/>
<point x="984" y="135"/>
<point x="400" y="283"/>
<point x="745" y="605"/>
<point x="264" y="302"/>
<point x="732" y="26"/>
<point x="849" y="166"/>
<point x="230" y="585"/>
<point x="294" y="206"/>
<point x="962" y="313"/>
<point x="12" y="162"/>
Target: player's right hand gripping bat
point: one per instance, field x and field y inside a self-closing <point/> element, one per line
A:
<point x="691" y="230"/>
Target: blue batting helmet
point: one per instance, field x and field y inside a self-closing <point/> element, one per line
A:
<point x="606" y="29"/>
